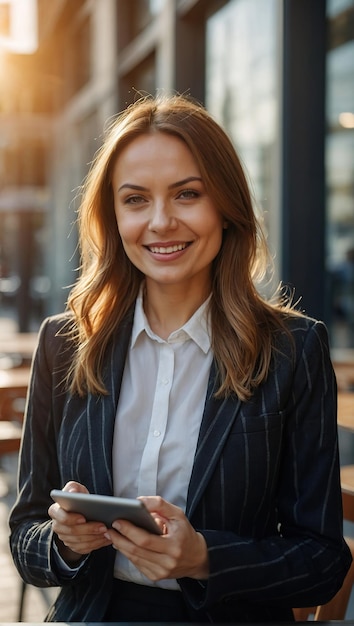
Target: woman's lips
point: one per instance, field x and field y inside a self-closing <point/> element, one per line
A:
<point x="167" y="249"/>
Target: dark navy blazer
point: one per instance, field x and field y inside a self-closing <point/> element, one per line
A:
<point x="264" y="491"/>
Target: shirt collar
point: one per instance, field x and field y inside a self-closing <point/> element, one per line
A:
<point x="196" y="328"/>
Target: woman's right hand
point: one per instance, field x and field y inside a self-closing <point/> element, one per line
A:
<point x="76" y="537"/>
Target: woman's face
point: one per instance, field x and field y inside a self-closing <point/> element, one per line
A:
<point x="170" y="228"/>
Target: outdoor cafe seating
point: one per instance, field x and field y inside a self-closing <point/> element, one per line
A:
<point x="16" y="351"/>
<point x="13" y="392"/>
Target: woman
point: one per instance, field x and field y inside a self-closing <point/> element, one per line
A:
<point x="170" y="378"/>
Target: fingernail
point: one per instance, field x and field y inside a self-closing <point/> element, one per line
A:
<point x="101" y="529"/>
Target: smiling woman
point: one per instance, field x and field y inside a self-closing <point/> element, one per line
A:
<point x="170" y="228"/>
<point x="170" y="378"/>
<point x="219" y="183"/>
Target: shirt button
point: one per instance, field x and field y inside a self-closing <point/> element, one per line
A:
<point x="165" y="381"/>
<point x="157" y="433"/>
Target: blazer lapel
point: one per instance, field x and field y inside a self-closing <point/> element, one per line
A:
<point x="101" y="411"/>
<point x="218" y="418"/>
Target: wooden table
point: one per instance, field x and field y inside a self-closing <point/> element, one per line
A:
<point x="18" y="345"/>
<point x="343" y="355"/>
<point x="343" y="363"/>
<point x="16" y="379"/>
<point x="10" y="437"/>
<point x="345" y="415"/>
<point x="13" y="392"/>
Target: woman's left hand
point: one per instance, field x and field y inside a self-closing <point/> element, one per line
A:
<point x="180" y="551"/>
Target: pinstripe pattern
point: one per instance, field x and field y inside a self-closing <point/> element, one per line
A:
<point x="264" y="488"/>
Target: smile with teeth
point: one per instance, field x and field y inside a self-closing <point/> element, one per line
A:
<point x="168" y="249"/>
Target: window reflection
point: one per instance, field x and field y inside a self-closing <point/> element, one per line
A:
<point x="241" y="92"/>
<point x="143" y="11"/>
<point x="141" y="81"/>
<point x="340" y="170"/>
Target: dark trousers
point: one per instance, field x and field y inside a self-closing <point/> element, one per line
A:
<point x="139" y="603"/>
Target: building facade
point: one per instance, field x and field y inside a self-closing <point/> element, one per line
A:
<point x="277" y="74"/>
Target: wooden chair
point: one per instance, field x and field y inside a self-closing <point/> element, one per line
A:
<point x="10" y="437"/>
<point x="12" y="406"/>
<point x="346" y="422"/>
<point x="347" y="484"/>
<point x="336" y="608"/>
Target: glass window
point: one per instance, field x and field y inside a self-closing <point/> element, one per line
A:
<point x="242" y="93"/>
<point x="139" y="82"/>
<point x="340" y="171"/>
<point x="143" y="11"/>
<point x="334" y="7"/>
<point x="4" y="20"/>
<point x="77" y="57"/>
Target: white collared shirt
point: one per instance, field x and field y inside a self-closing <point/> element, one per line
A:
<point x="159" y="415"/>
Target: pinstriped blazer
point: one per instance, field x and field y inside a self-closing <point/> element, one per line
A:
<point x="264" y="490"/>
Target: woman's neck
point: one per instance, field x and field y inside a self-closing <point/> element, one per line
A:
<point x="167" y="310"/>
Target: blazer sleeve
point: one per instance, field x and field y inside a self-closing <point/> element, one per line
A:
<point x="31" y="529"/>
<point x="304" y="561"/>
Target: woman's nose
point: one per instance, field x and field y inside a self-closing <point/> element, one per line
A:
<point x="162" y="217"/>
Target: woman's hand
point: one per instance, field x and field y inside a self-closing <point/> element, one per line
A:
<point x="76" y="536"/>
<point x="180" y="551"/>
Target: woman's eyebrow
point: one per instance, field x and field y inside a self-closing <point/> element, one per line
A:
<point x="179" y="183"/>
<point x="190" y="179"/>
<point x="132" y="186"/>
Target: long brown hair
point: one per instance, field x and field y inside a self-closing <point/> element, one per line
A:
<point x="242" y="322"/>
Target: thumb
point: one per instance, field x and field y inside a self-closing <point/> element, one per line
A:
<point x="75" y="487"/>
<point x="159" y="506"/>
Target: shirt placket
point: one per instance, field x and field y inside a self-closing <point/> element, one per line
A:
<point x="147" y="481"/>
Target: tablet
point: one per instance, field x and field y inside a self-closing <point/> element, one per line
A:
<point x="106" y="509"/>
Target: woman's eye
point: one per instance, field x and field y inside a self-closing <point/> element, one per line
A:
<point x="188" y="194"/>
<point x="134" y="200"/>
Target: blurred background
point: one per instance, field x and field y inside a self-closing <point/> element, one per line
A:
<point x="277" y="74"/>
